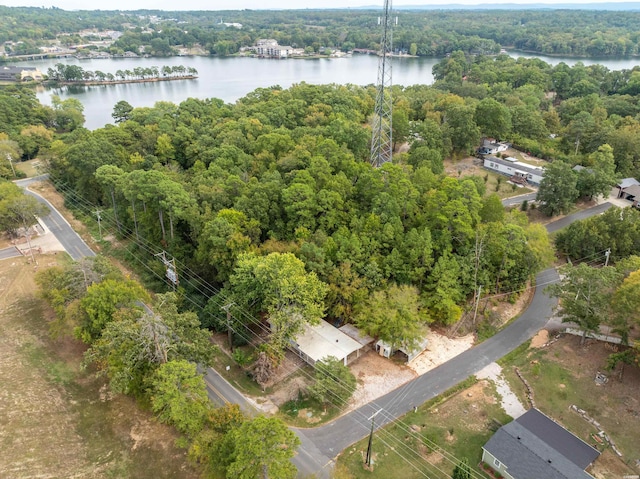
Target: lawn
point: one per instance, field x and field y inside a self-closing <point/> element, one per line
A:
<point x="57" y="419"/>
<point x="30" y="168"/>
<point x="563" y="374"/>
<point x="433" y="439"/>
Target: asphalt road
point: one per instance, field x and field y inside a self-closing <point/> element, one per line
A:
<point x="333" y="438"/>
<point x="580" y="215"/>
<point x="321" y="445"/>
<point x="70" y="240"/>
<point x="517" y="200"/>
<point x="10" y="252"/>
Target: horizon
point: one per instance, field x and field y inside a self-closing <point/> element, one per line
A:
<point x="219" y="5"/>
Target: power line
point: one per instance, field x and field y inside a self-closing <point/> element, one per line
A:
<point x="208" y="290"/>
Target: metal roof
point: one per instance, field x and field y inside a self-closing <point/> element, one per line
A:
<point x="536" y="170"/>
<point x="627" y="182"/>
<point x="322" y="340"/>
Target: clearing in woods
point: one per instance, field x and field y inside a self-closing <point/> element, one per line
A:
<point x="58" y="420"/>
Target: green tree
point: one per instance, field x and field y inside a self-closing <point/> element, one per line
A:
<point x="493" y="118"/>
<point x="585" y="295"/>
<point x="263" y="448"/>
<point x="68" y="113"/>
<point x="279" y="285"/>
<point x="179" y="396"/>
<point x="558" y="189"/>
<point x="101" y="303"/>
<point x="394" y="315"/>
<point x="460" y="127"/>
<point x="462" y="470"/>
<point x="334" y="382"/>
<point x="19" y="212"/>
<point x="601" y="177"/>
<point x="122" y="111"/>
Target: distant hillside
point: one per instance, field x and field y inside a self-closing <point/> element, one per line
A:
<point x="619" y="6"/>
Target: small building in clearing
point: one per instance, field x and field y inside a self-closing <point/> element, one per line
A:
<point x="518" y="172"/>
<point x="386" y="350"/>
<point x="629" y="189"/>
<point x="323" y="340"/>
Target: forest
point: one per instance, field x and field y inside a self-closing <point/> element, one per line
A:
<point x="269" y="208"/>
<point x="424" y="33"/>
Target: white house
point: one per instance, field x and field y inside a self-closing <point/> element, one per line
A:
<point x="322" y="340"/>
<point x="515" y="169"/>
<point x="490" y="147"/>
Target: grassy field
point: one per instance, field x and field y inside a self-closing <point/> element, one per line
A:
<point x="57" y="419"/>
<point x="414" y="446"/>
<point x="30" y="168"/>
<point x="563" y="374"/>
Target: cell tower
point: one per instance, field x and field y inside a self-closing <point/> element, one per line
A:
<point x="381" y="141"/>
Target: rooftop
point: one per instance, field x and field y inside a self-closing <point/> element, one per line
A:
<point x="536" y="170"/>
<point x="627" y="182"/>
<point x="535" y="444"/>
<point x="324" y="340"/>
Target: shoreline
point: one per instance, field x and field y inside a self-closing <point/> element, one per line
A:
<point x="115" y="82"/>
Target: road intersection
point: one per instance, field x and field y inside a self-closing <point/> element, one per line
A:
<point x="321" y="445"/>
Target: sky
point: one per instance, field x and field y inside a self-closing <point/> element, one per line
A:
<point x="253" y="4"/>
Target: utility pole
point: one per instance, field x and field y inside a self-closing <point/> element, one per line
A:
<point x="170" y="264"/>
<point x="381" y="128"/>
<point x="227" y="308"/>
<point x="369" y="452"/>
<point x="475" y="313"/>
<point x="11" y="163"/>
<point x="607" y="254"/>
<point x="98" y="212"/>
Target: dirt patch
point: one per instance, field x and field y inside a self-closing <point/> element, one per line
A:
<point x="377" y="376"/>
<point x="289" y="390"/>
<point x="540" y="339"/>
<point x="440" y="349"/>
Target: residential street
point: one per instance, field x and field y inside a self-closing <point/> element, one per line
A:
<point x="321" y="445"/>
<point x="517" y="200"/>
<point x="580" y="215"/>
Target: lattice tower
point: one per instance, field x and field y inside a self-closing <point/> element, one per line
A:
<point x="381" y="133"/>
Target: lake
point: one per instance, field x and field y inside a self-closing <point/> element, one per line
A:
<point x="232" y="78"/>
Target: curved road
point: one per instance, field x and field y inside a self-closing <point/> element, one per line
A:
<point x="70" y="240"/>
<point x="321" y="445"/>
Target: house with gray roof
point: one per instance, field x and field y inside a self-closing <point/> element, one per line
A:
<point x="629" y="189"/>
<point x="534" y="446"/>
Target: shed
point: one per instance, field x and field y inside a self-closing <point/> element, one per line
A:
<point x="534" y="445"/>
<point x="322" y="340"/>
<point x="385" y="349"/>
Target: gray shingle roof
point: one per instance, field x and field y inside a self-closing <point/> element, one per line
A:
<point x="535" y="447"/>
